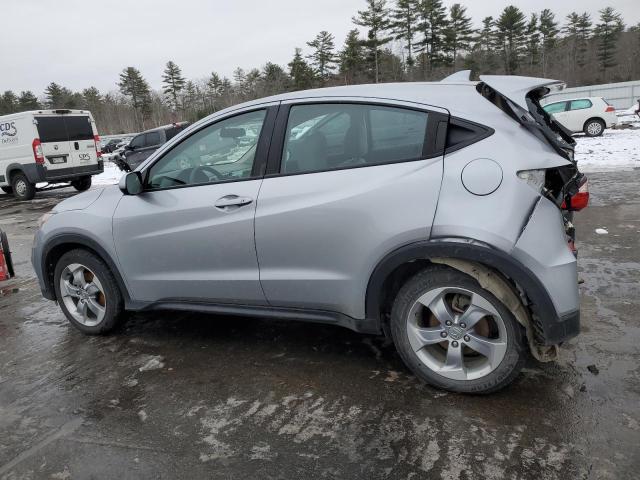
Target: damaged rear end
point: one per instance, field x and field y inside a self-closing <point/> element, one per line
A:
<point x="546" y="244"/>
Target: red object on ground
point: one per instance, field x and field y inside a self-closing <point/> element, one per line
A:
<point x="6" y="264"/>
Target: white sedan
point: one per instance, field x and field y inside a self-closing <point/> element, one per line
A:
<point x="589" y="115"/>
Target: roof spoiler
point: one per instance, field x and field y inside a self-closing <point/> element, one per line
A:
<point x="460" y="76"/>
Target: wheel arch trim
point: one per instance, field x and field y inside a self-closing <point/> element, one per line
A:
<point x="553" y="328"/>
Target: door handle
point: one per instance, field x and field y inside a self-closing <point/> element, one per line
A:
<point x="232" y="201"/>
<point x="76" y="145"/>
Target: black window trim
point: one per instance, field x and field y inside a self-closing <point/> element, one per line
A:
<point x="480" y="133"/>
<point x="432" y="149"/>
<point x="259" y="161"/>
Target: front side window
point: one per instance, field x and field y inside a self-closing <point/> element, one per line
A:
<point x="555" y="107"/>
<point x="137" y="142"/>
<point x="580" y="104"/>
<point x="333" y="136"/>
<point x="220" y="152"/>
<point x="152" y="139"/>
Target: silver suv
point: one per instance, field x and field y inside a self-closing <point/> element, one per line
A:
<point x="435" y="213"/>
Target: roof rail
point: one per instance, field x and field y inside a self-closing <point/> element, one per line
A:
<point x="460" y="76"/>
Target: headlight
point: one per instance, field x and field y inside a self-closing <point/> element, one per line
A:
<point x="44" y="218"/>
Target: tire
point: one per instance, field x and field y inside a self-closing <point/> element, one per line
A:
<point x="7" y="190"/>
<point x="22" y="188"/>
<point x="104" y="293"/>
<point x="82" y="184"/>
<point x="476" y="373"/>
<point x="594" y="127"/>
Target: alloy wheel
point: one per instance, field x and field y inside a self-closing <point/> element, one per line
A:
<point x="83" y="294"/>
<point x="457" y="333"/>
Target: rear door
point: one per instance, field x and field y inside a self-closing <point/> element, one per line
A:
<point x="579" y="112"/>
<point x="54" y="140"/>
<point x="82" y="145"/>
<point x="347" y="183"/>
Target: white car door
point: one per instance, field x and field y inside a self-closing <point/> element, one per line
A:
<point x="578" y="113"/>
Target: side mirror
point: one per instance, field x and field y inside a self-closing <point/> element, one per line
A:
<point x="129" y="147"/>
<point x="131" y="183"/>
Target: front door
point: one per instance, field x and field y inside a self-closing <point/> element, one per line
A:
<point x="190" y="235"/>
<point x="353" y="181"/>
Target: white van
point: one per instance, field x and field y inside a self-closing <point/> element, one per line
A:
<point x="52" y="146"/>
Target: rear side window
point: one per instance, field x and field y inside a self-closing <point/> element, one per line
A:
<point x="151" y="139"/>
<point x="580" y="104"/>
<point x="323" y="137"/>
<point x="78" y="128"/>
<point x="52" y="129"/>
<point x="555" y="107"/>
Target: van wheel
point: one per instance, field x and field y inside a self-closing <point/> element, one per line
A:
<point x="87" y="292"/>
<point x="22" y="188"/>
<point x="8" y="190"/>
<point x="454" y="334"/>
<point x="82" y="184"/>
<point x="594" y="127"/>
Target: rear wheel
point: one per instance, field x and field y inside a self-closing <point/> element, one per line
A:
<point x="22" y="188"/>
<point x="454" y="334"/>
<point x="594" y="127"/>
<point x="82" y="184"/>
<point x="88" y="293"/>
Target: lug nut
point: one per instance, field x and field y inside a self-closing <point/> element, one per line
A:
<point x="467" y="338"/>
<point x="443" y="334"/>
<point x="448" y="323"/>
<point x="454" y="344"/>
<point x="463" y="325"/>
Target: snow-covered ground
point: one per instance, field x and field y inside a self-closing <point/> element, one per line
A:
<point x="614" y="150"/>
<point x="110" y="176"/>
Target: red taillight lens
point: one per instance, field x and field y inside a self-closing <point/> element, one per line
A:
<point x="37" y="151"/>
<point x="580" y="200"/>
<point x="610" y="109"/>
<point x="96" y="138"/>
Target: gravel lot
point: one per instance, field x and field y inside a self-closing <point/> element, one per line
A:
<point x="193" y="396"/>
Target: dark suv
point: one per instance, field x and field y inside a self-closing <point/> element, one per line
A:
<point x="145" y="143"/>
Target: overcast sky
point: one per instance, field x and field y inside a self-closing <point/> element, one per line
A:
<point x="78" y="43"/>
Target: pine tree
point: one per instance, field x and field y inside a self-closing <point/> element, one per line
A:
<point x="484" y="45"/>
<point x="190" y="100"/>
<point x="511" y="38"/>
<point x="376" y="20"/>
<point x="351" y="57"/>
<point x="607" y="33"/>
<point x="173" y="84"/>
<point x="458" y="32"/>
<point x="402" y="23"/>
<point x="323" y="57"/>
<point x="133" y="85"/>
<point x="8" y="103"/>
<point x="275" y="78"/>
<point x="549" y="31"/>
<point x="578" y="32"/>
<point x="91" y="99"/>
<point x="432" y="24"/>
<point x="57" y="96"/>
<point x="300" y="71"/>
<point x="28" y="101"/>
<point x="533" y="40"/>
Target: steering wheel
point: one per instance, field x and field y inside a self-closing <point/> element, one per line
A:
<point x="202" y="169"/>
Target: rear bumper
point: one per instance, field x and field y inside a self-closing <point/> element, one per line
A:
<point x="74" y="172"/>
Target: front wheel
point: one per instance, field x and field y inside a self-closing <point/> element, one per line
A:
<point x="454" y="334"/>
<point x="82" y="184"/>
<point x="87" y="292"/>
<point x="594" y="127"/>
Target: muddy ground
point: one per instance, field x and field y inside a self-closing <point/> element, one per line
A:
<point x="194" y="396"/>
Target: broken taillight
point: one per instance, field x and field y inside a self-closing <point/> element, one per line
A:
<point x="579" y="200"/>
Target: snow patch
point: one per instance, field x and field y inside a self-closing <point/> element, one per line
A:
<point x="110" y="176"/>
<point x="614" y="150"/>
<point x="152" y="363"/>
<point x="601" y="231"/>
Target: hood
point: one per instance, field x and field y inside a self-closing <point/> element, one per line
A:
<point x="516" y="88"/>
<point x="80" y="201"/>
